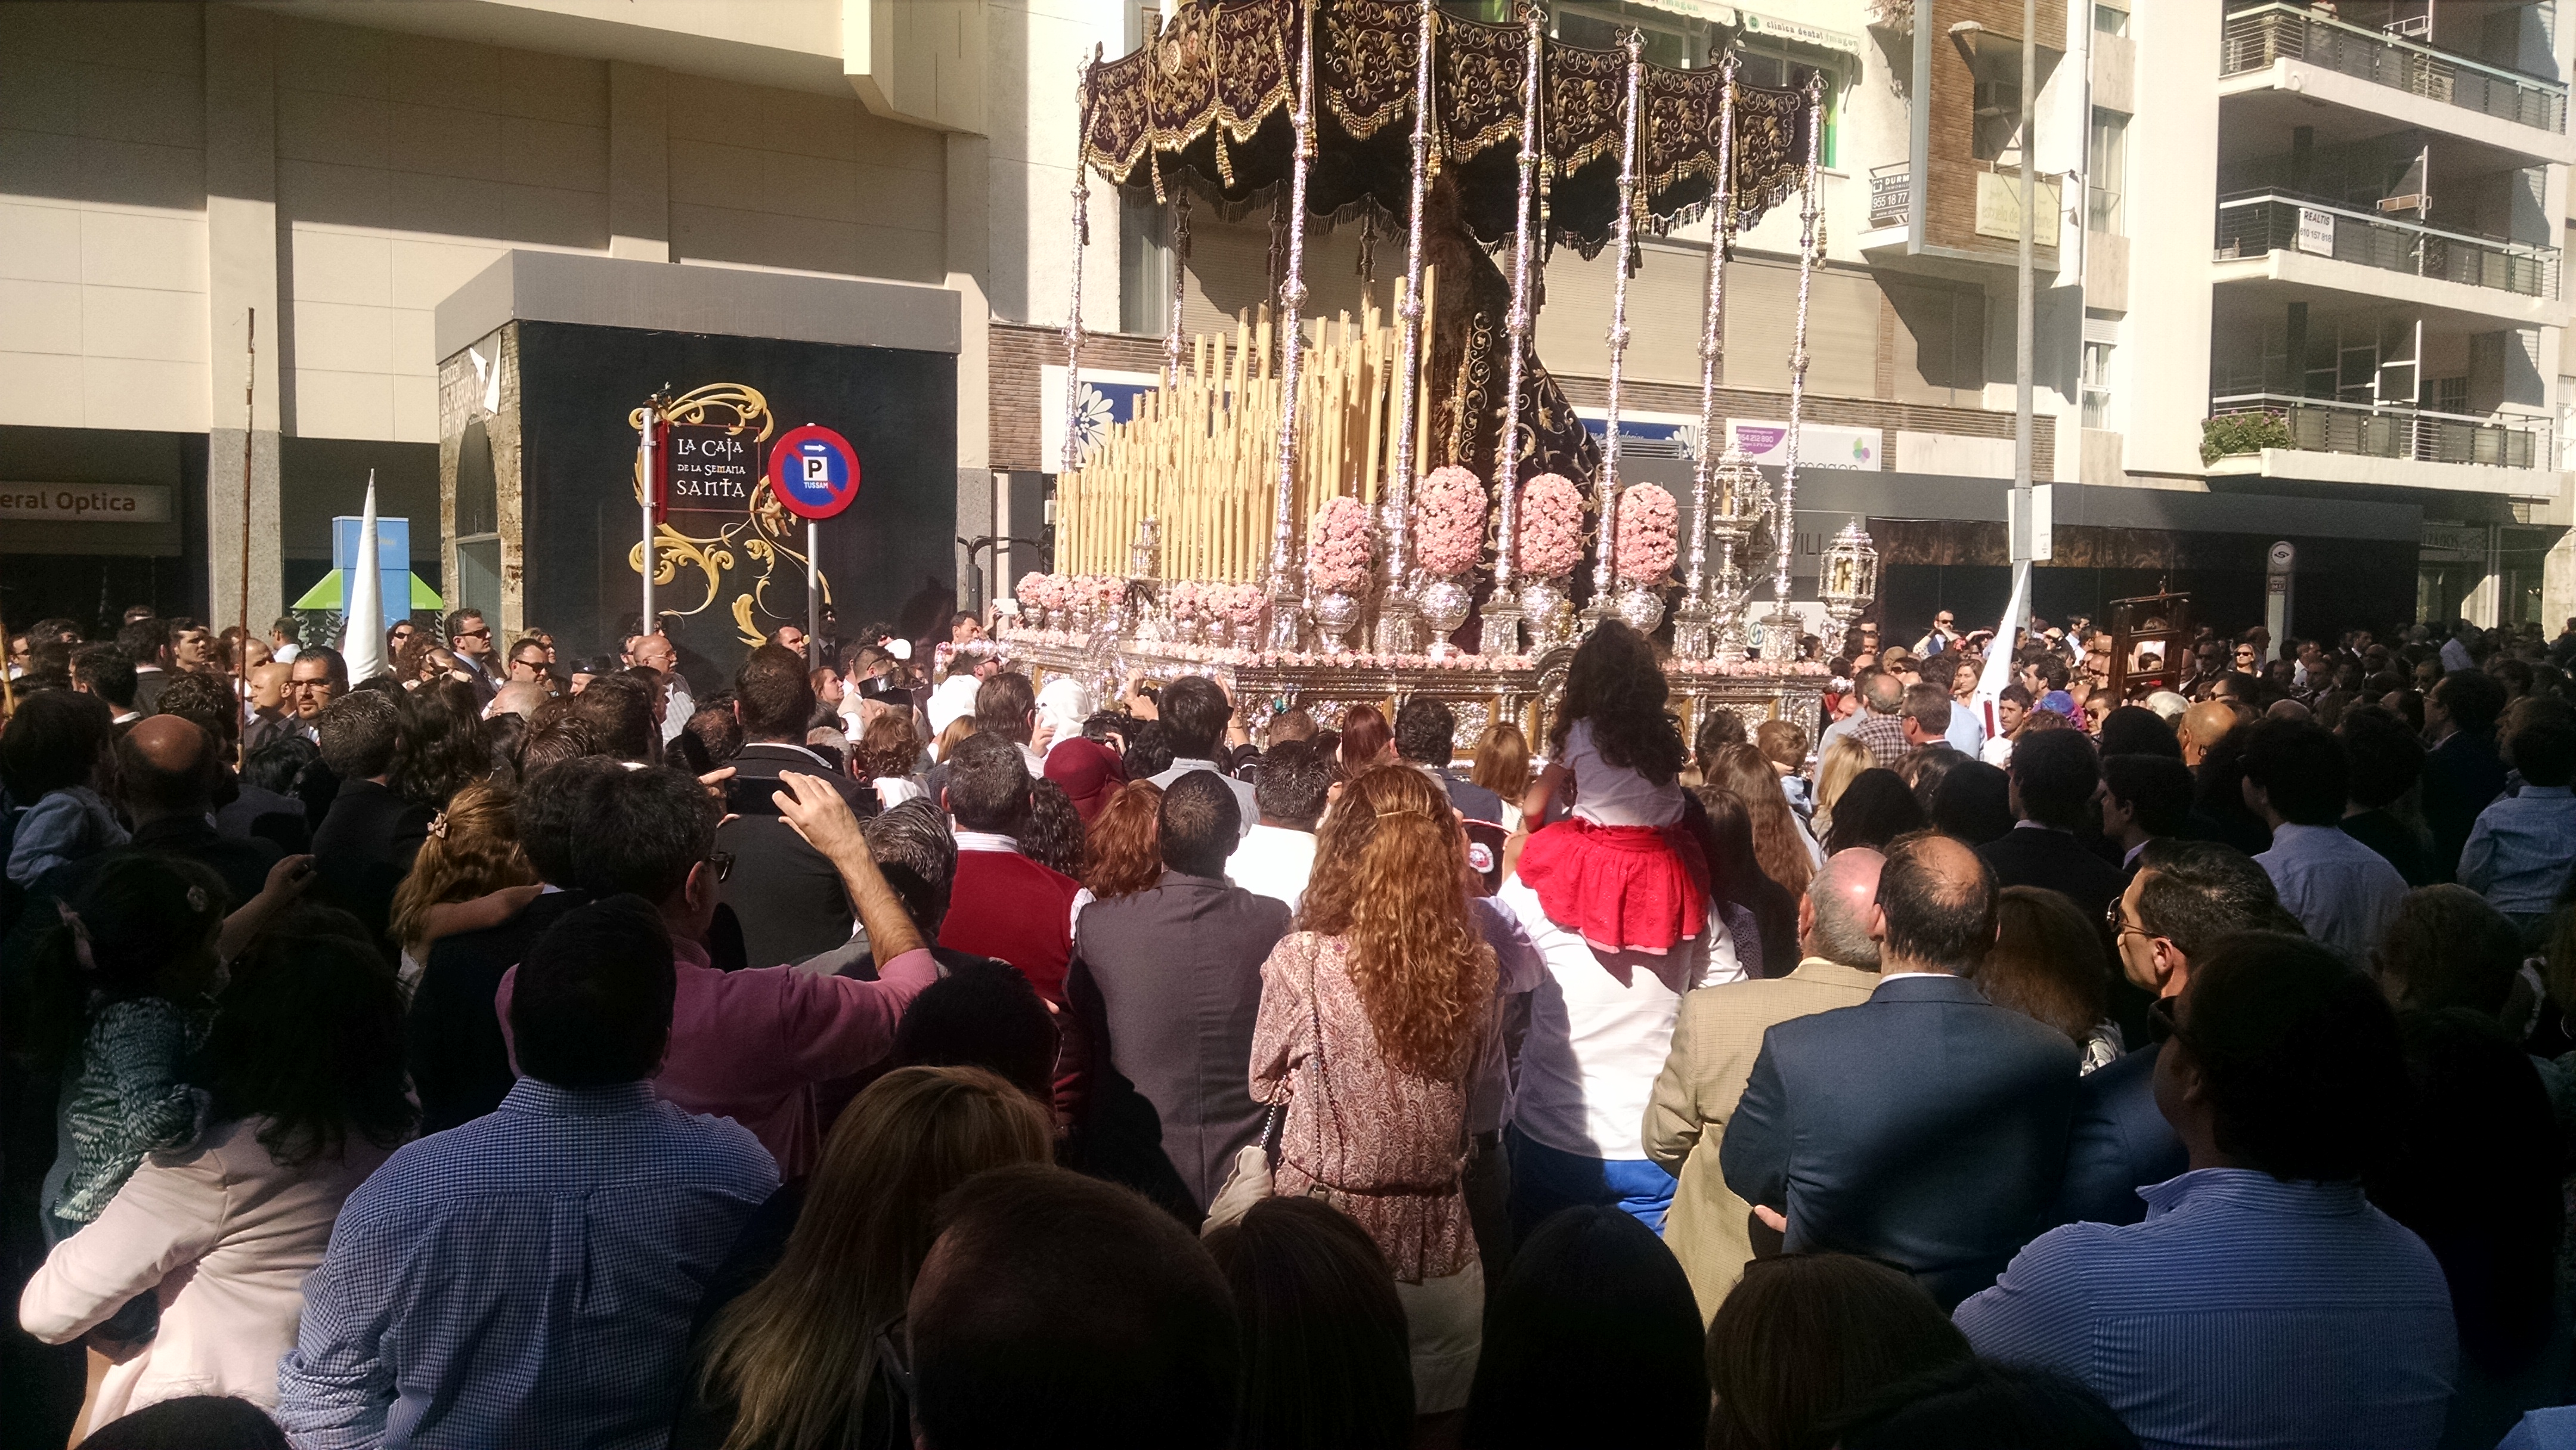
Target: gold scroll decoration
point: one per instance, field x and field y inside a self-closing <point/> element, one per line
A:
<point x="765" y="533"/>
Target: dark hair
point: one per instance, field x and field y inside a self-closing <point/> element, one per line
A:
<point x="592" y="1002"/>
<point x="275" y="764"/>
<point x="1803" y="1338"/>
<point x="2467" y="1180"/>
<point x="1426" y="732"/>
<point x="359" y="733"/>
<point x="1194" y="710"/>
<point x="2137" y="730"/>
<point x="1876" y="808"/>
<point x="1734" y="872"/>
<point x="190" y="1422"/>
<point x="2543" y="746"/>
<point x="1295" y="778"/>
<point x="618" y="708"/>
<point x="1615" y="683"/>
<point x="2300" y="767"/>
<point x="456" y="621"/>
<point x="2046" y="962"/>
<point x="1326" y="1360"/>
<point x="641" y="832"/>
<point x="773" y="694"/>
<point x="335" y="666"/>
<point x="1200" y="820"/>
<point x="1595" y="1300"/>
<point x="2056" y="773"/>
<point x="2473" y="698"/>
<point x="443" y="747"/>
<point x="52" y="742"/>
<point x="148" y="922"/>
<point x="206" y="700"/>
<point x="2447" y="947"/>
<point x="1924" y="767"/>
<point x="552" y="802"/>
<point x="1719" y="727"/>
<point x="568" y="739"/>
<point x="2156" y="788"/>
<point x="1364" y="736"/>
<point x="982" y="1014"/>
<point x="1928" y="706"/>
<point x="2299" y="1055"/>
<point x="309" y="1036"/>
<point x="918" y="856"/>
<point x="107" y="672"/>
<point x="2197" y="892"/>
<point x="143" y="640"/>
<point x="988" y="784"/>
<point x="1973" y="803"/>
<point x="1149" y="750"/>
<point x="1932" y="917"/>
<point x="1053" y="835"/>
<point x="1981" y="1405"/>
<point x="715" y="732"/>
<point x="1057" y="1309"/>
<point x="1003" y="704"/>
<point x="2383" y="754"/>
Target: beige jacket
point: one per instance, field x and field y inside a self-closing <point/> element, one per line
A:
<point x="226" y="1235"/>
<point x="1715" y="1041"/>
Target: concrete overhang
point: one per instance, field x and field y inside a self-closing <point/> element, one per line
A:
<point x="2352" y="468"/>
<point x="2288" y="275"/>
<point x="2291" y="92"/>
<point x="599" y="291"/>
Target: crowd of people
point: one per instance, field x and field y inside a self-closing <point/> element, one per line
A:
<point x="900" y="1051"/>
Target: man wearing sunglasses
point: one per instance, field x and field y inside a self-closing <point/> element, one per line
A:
<point x="2185" y="897"/>
<point x="470" y="638"/>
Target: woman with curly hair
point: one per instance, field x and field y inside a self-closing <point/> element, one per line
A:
<point x="1122" y="852"/>
<point x="441" y="748"/>
<point x="1371" y="1017"/>
<point x="469" y="874"/>
<point x="1616" y="870"/>
<point x="887" y="755"/>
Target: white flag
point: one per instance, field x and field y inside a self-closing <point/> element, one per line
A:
<point x="362" y="594"/>
<point x="1999" y="652"/>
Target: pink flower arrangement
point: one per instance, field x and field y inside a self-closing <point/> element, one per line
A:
<point x="1550" y="527"/>
<point x="1647" y="532"/>
<point x="1188" y="598"/>
<point x="1041" y="590"/>
<point x="1449" y="522"/>
<point x="1103" y="590"/>
<point x="1337" y="559"/>
<point x="1239" y="603"/>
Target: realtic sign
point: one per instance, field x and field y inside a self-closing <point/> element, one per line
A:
<point x="709" y="468"/>
<point x="814" y="472"/>
<point x="88" y="503"/>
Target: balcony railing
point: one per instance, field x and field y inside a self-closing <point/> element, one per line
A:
<point x="2265" y="221"/>
<point x="1891" y="194"/>
<point x="2255" y="38"/>
<point x="2321" y="425"/>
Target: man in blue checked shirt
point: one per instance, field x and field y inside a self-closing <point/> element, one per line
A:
<point x="528" y="1279"/>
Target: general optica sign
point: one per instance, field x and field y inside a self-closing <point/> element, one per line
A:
<point x="88" y="503"/>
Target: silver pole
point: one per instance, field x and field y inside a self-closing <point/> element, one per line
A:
<point x="1503" y="611"/>
<point x="1780" y="633"/>
<point x="813" y="592"/>
<point x="1605" y="575"/>
<point x="1395" y="613"/>
<point x="1292" y="298"/>
<point x="2025" y="298"/>
<point x="1712" y="349"/>
<point x="652" y="414"/>
<point x="1081" y="239"/>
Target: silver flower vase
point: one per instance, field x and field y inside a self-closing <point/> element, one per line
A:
<point x="1550" y="617"/>
<point x="1336" y="616"/>
<point x="1642" y="608"/>
<point x="1444" y="602"/>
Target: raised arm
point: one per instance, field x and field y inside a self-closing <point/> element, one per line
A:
<point x="818" y="814"/>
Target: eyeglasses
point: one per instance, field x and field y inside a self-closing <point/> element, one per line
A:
<point x="893" y="1351"/>
<point x="473" y="634"/>
<point x="2119" y="925"/>
<point x="722" y="861"/>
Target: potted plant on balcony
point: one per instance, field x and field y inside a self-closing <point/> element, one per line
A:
<point x="2236" y="433"/>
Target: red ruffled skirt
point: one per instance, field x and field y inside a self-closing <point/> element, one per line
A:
<point x="1622" y="888"/>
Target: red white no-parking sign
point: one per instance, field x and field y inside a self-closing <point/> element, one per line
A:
<point x="814" y="471"/>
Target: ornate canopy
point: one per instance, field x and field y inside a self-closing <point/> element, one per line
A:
<point x="1207" y="103"/>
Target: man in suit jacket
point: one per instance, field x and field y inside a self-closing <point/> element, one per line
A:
<point x="2462" y="772"/>
<point x="365" y="842"/>
<point x="787" y="896"/>
<point x="1426" y="734"/>
<point x="1715" y="1042"/>
<point x="2054" y="776"/>
<point x="1925" y="1127"/>
<point x="1162" y="992"/>
<point x="469" y="638"/>
<point x="2185" y="896"/>
<point x="460" y="1065"/>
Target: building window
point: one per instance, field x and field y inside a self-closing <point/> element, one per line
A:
<point x="1144" y="267"/>
<point x="2097" y="385"/>
<point x="1998" y="121"/>
<point x="2106" y="169"/>
<point x="2111" y="19"/>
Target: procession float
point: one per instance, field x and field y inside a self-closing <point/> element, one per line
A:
<point x="1388" y="506"/>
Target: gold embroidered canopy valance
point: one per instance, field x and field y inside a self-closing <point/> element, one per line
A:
<point x="1206" y="103"/>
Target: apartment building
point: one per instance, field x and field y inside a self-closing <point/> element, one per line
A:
<point x="2298" y="279"/>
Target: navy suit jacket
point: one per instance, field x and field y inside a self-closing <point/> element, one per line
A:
<point x="2119" y="1143"/>
<point x="1925" y="1127"/>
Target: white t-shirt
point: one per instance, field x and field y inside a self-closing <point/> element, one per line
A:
<point x="1273" y="861"/>
<point x="1611" y="795"/>
<point x="1600" y="1029"/>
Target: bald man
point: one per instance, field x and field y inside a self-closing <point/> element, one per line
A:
<point x="1715" y="1042"/>
<point x="1925" y="1127"/>
<point x="519" y="697"/>
<point x="166" y="771"/>
<point x="2203" y="725"/>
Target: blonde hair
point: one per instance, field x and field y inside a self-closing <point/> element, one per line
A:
<point x="958" y="729"/>
<point x="796" y="1352"/>
<point x="1391" y="875"/>
<point x="472" y="850"/>
<point x="1844" y="759"/>
<point x="1503" y="762"/>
